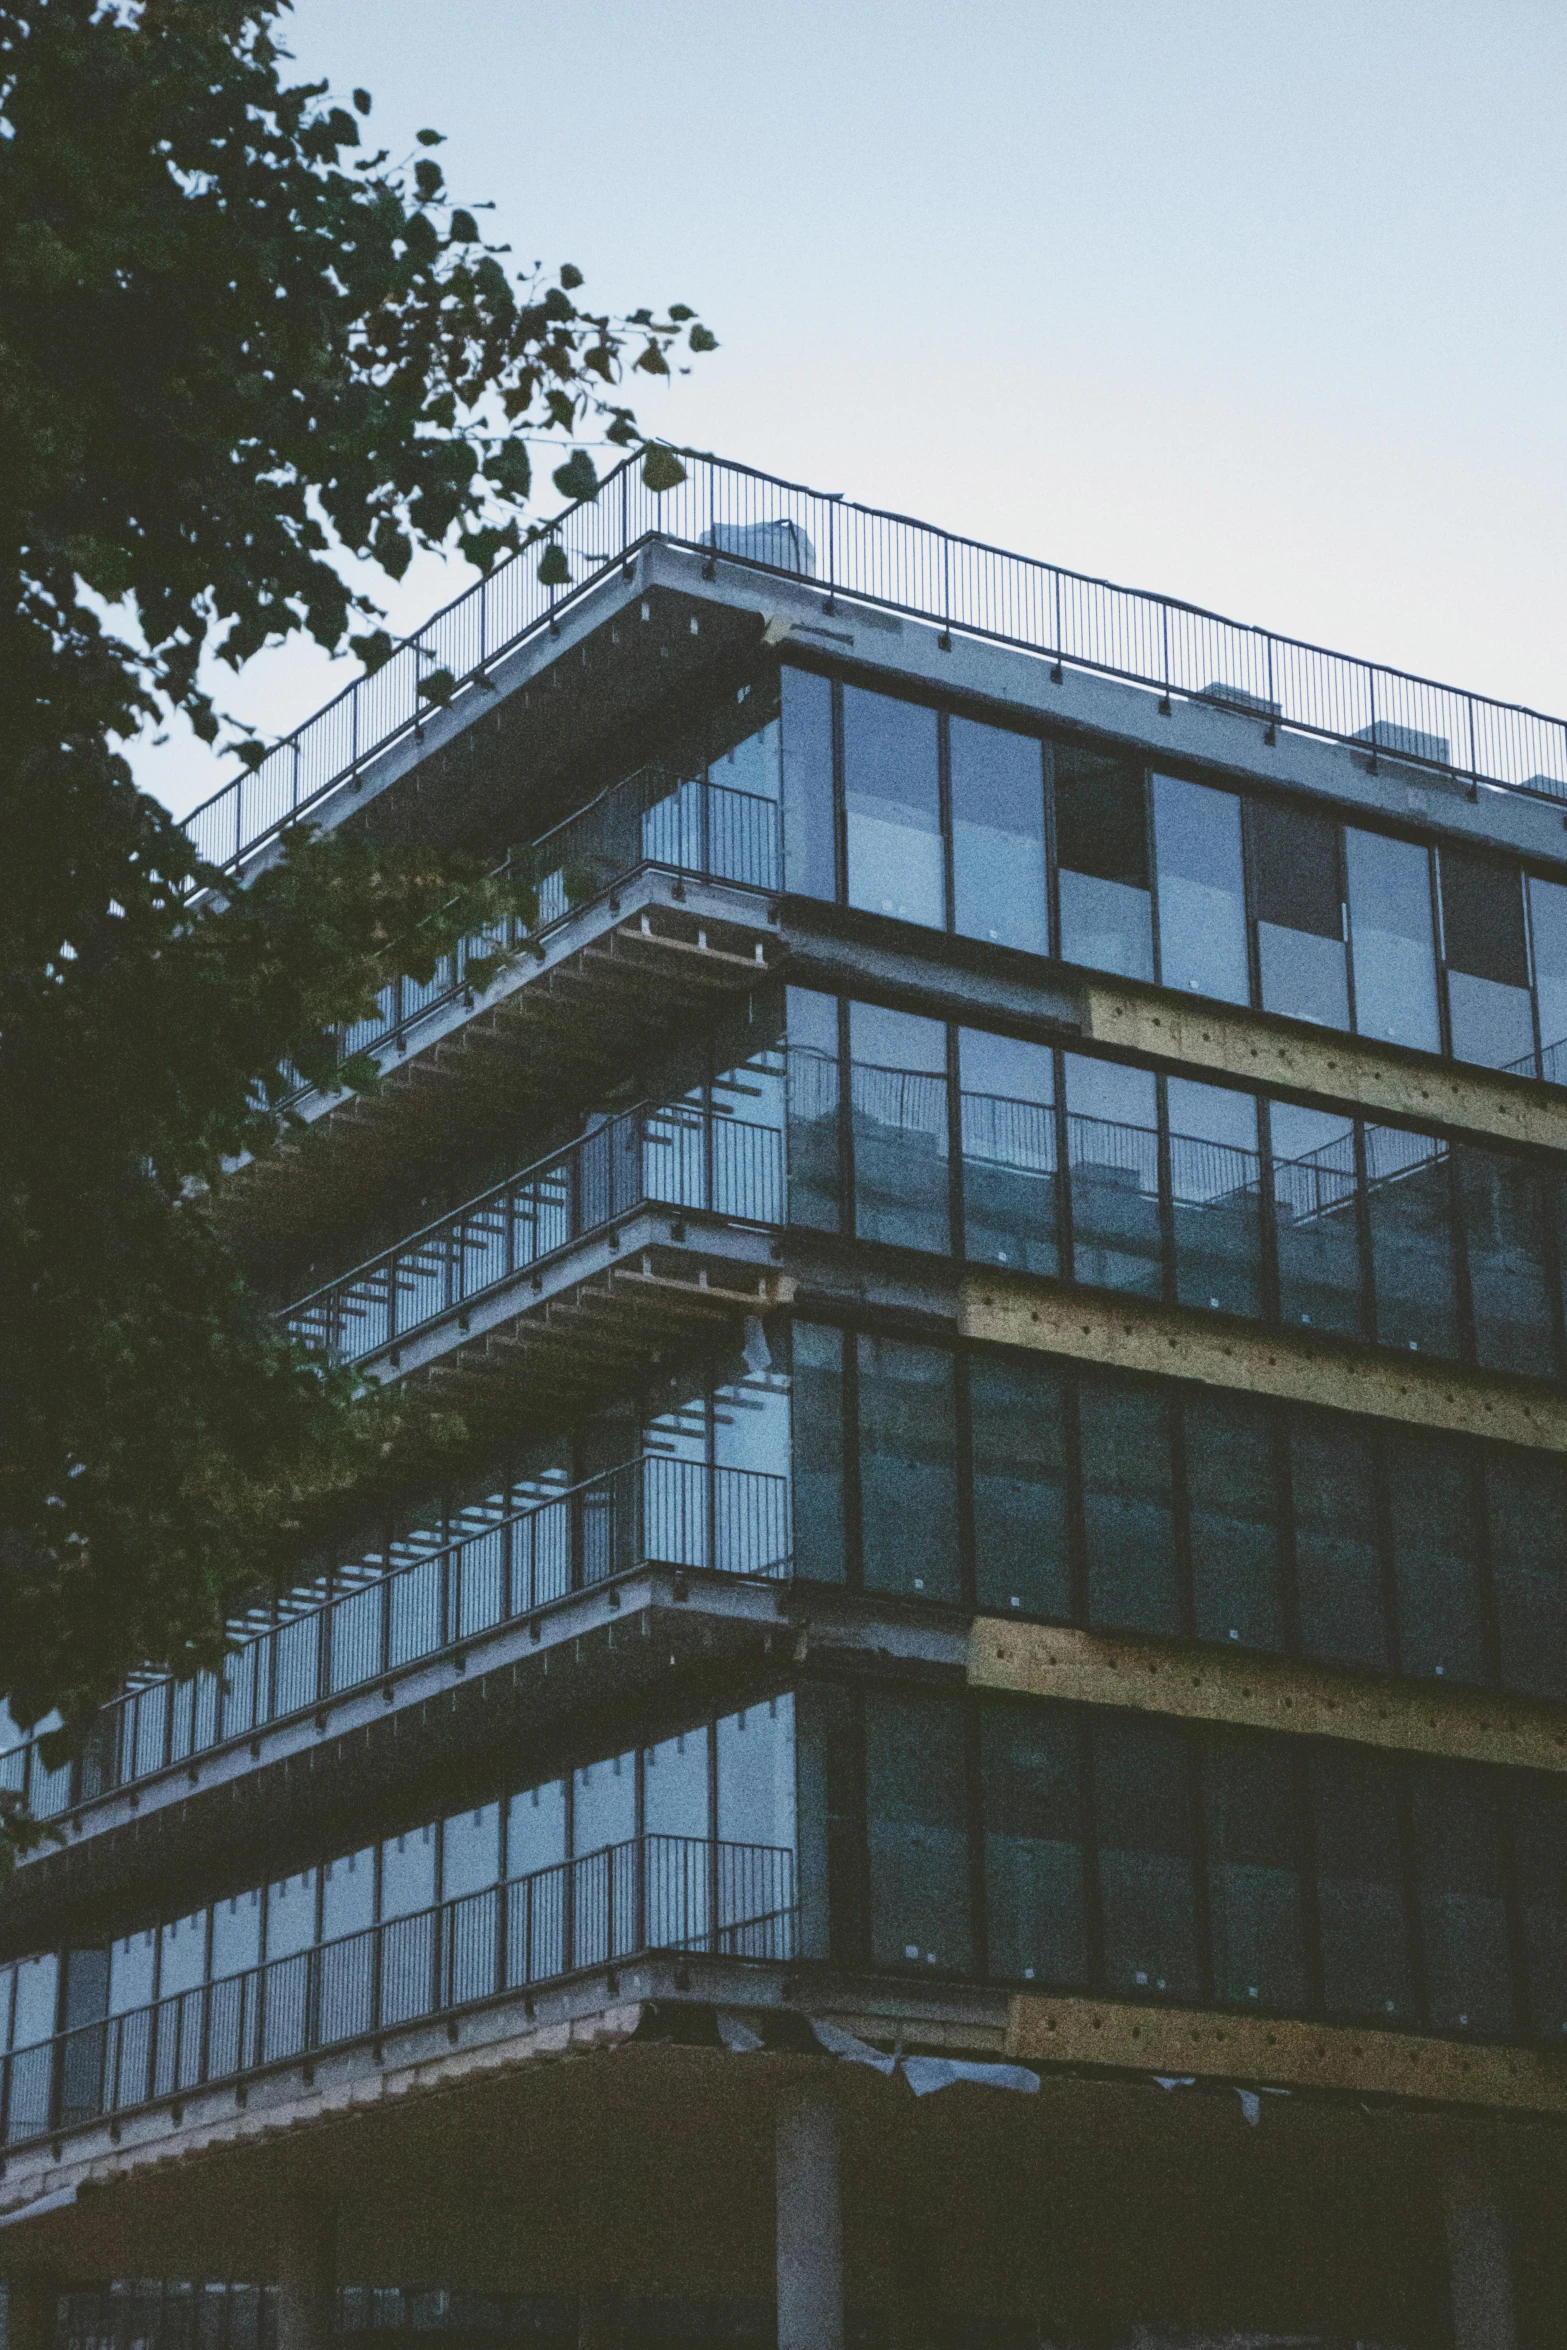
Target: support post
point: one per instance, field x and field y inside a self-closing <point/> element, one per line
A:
<point x="307" y="2279"/>
<point x="28" y="2310"/>
<point x="1479" y="2266"/>
<point x="810" y="2222"/>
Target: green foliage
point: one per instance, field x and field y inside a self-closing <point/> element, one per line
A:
<point x="661" y="468"/>
<point x="236" y="344"/>
<point x="554" y="570"/>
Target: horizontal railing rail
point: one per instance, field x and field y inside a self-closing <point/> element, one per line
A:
<point x="675" y="1156"/>
<point x="654" y="1511"/>
<point x="897" y="563"/>
<point x="652" y="1893"/>
<point x="655" y="817"/>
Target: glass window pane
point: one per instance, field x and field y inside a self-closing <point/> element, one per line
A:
<point x="1009" y="1152"/>
<point x="902" y="1193"/>
<point x="810" y="859"/>
<point x="915" y="1781"/>
<point x="1488" y="1003"/>
<point x="1463" y="1910"/>
<point x="536" y="1829"/>
<point x="1033" y="1811"/>
<point x="1255" y="1899"/>
<point x="1390" y="925"/>
<point x="291" y="1914"/>
<point x="908" y="1469"/>
<point x="408" y="1872"/>
<point x="132" y="1964"/>
<point x="470" y="1851"/>
<point x="1436" y="1558"/>
<point x="236" y="1934"/>
<point x="1539" y="1808"/>
<point x="37" y="1991"/>
<point x="1316" y="1216"/>
<point x="182" y="1955"/>
<point x="604" y="1803"/>
<point x="1503" y="1205"/>
<point x="1021" y="1546"/>
<point x="348" y="1894"/>
<point x="1414" y="1273"/>
<point x="756" y="1785"/>
<point x="1528" y="1527"/>
<point x="1202" y="893"/>
<point x="1113" y="1149"/>
<point x="1548" y="928"/>
<point x="893" y="798"/>
<point x="816" y="1402"/>
<point x="1142" y="1812"/>
<point x="1360" y="1886"/>
<point x="814" y="1170"/>
<point x="1338" y="1573"/>
<point x="998" y="836"/>
<point x="1215" y="1186"/>
<point x="675" y="1798"/>
<point x="1102" y="855"/>
<point x="746" y="740"/>
<point x="1233" y="1512"/>
<point x="1300" y="913"/>
<point x="1128" y="1512"/>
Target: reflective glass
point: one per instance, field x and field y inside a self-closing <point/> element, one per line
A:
<point x="1021" y="1515"/>
<point x="1032" y="1801"/>
<point x="470" y="1851"/>
<point x="1528" y="1525"/>
<point x="1488" y="1004"/>
<point x="1147" y="1890"/>
<point x="182" y="1954"/>
<point x="1548" y="930"/>
<point x="901" y="1146"/>
<point x="676" y="1799"/>
<point x="604" y="1803"/>
<point x="348" y="1894"/>
<point x="908" y="1469"/>
<point x="1539" y="1810"/>
<point x="1255" y="1902"/>
<point x="810" y="858"/>
<point x="236" y="1934"/>
<point x="1409" y="1203"/>
<point x="291" y="1914"/>
<point x="37" y="1991"/>
<point x="1504" y="1204"/>
<point x="892" y="794"/>
<point x="1360" y="1886"/>
<point x="408" y="1872"/>
<point x="1459" y="1843"/>
<point x="1338" y="1572"/>
<point x="1128" y="1507"/>
<point x="1009" y="1152"/>
<point x="815" y="1178"/>
<point x="1233" y="1517"/>
<point x="1113" y="1149"/>
<point x="1436" y="1559"/>
<point x="998" y="836"/>
<point x="1102" y="859"/>
<point x="1394" y="953"/>
<point x="1215" y="1189"/>
<point x="1316" y="1218"/>
<point x="1202" y="890"/>
<point x="817" y="1407"/>
<point x="536" y="1828"/>
<point x="756" y="1784"/>
<point x="1300" y="913"/>
<point x="132" y="1967"/>
<point x="915" y="1782"/>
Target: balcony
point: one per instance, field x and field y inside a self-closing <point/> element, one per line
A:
<point x="648" y="1513"/>
<point x="650" y="1895"/>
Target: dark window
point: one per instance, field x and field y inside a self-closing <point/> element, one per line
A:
<point x="1142" y="1810"/>
<point x="901" y="1145"/>
<point x="817" y="1406"/>
<point x="1528" y="1518"/>
<point x="1009" y="1152"/>
<point x="1539" y="1811"/>
<point x="810" y="861"/>
<point x="1021" y="1557"/>
<point x="1113" y="1150"/>
<point x="1233" y="1506"/>
<point x="1459" y="1844"/>
<point x="1413" y="1241"/>
<point x="892" y="795"/>
<point x="1436" y="1558"/>
<point x="1215" y="1186"/>
<point x="1360" y="1886"/>
<point x="1487" y="961"/>
<point x="1337" y="1569"/>
<point x="998" y="836"/>
<point x="916" y="1807"/>
<point x="1102" y="854"/>
<point x="908" y="1469"/>
<point x="1503" y="1209"/>
<point x="814" y="1174"/>
<point x="1316" y="1214"/>
<point x="1032" y="1796"/>
<point x="1128" y="1519"/>
<point x="1548" y="925"/>
<point x="1300" y="913"/>
<point x="1254" y="1873"/>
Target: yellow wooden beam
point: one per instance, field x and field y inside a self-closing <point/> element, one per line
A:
<point x="1265" y="1693"/>
<point x="1294" y="1367"/>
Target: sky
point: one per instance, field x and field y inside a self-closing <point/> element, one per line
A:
<point x="1257" y="302"/>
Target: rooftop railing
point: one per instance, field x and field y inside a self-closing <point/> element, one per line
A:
<point x="655" y="1511"/>
<point x="900" y="565"/>
<point x="653" y="1893"/>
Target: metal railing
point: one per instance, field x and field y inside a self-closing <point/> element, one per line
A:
<point x="654" y="817"/>
<point x="675" y="1156"/>
<point x="655" y="1511"/>
<point x="653" y="1893"/>
<point x="899" y="564"/>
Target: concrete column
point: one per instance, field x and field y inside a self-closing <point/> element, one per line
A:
<point x="810" y="2223"/>
<point x="1479" y="2268"/>
<point x="307" y="2279"/>
<point x="29" y="2304"/>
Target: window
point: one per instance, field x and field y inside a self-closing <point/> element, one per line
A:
<point x="1390" y="924"/>
<point x="536" y="1829"/>
<point x="1316" y="1218"/>
<point x="1337" y="1569"/>
<point x="916" y="1805"/>
<point x="1459" y="1844"/>
<point x="901" y="1151"/>
<point x="1202" y="894"/>
<point x="1360" y="1879"/>
<point x="470" y="1851"/>
<point x="1128" y="1517"/>
<point x="755" y="1765"/>
<point x="908" y="1469"/>
<point x="1436" y="1559"/>
<point x="604" y="1803"/>
<point x="1215" y="1184"/>
<point x="1031" y="1794"/>
<point x="1300" y="913"/>
<point x="1487" y="956"/>
<point x="1009" y="1152"/>
<point x="892" y="795"/>
<point x="1540" y="1827"/>
<point x="348" y="1894"/>
<point x="1548" y="925"/>
<point x="1102" y="854"/>
<point x="1113" y="1148"/>
<point x="1233" y="1515"/>
<point x="1255" y="1903"/>
<point x="1018" y="1421"/>
<point x="1409" y="1209"/>
<point x="1142" y="1807"/>
<point x="814" y="1173"/>
<point x="810" y="857"/>
<point x="998" y="836"/>
<point x="1504" y="1204"/>
<point x="1528" y="1519"/>
<point x="817" y="1409"/>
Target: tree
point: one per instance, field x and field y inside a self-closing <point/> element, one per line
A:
<point x="238" y="345"/>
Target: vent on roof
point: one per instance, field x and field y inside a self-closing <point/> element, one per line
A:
<point x="1407" y="742"/>
<point x="1240" y="697"/>
<point x="782" y="545"/>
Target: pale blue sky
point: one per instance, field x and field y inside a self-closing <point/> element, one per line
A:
<point x="1261" y="304"/>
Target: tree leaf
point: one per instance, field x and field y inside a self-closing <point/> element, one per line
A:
<point x="570" y="277"/>
<point x="465" y="229"/>
<point x="362" y="101"/>
<point x="431" y="138"/>
<point x="428" y="179"/>
<point x="554" y="570"/>
<point x="661" y="468"/>
<point x="439" y="687"/>
<point x="577" y="478"/>
<point x="702" y="338"/>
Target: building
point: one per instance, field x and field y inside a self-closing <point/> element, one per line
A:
<point x="968" y="1729"/>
